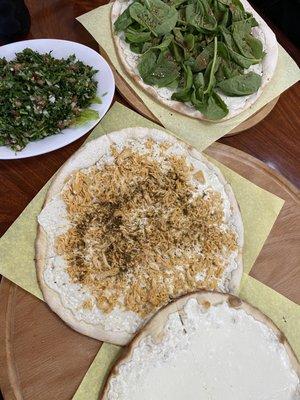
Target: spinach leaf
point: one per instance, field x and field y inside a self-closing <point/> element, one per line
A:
<point x="154" y="15"/>
<point x="160" y="72"/>
<point x="227" y="69"/>
<point x="203" y="59"/>
<point x="197" y="99"/>
<point x="237" y="11"/>
<point x="227" y="37"/>
<point x="146" y="47"/>
<point x="147" y="64"/>
<point x="223" y="51"/>
<point x="225" y="2"/>
<point x="221" y="12"/>
<point x="199" y="80"/>
<point x="256" y="47"/>
<point x="241" y="27"/>
<point x="238" y="58"/>
<point x="189" y="41"/>
<point x="211" y="106"/>
<point x="215" y="107"/>
<point x="134" y="36"/>
<point x="241" y="60"/>
<point x="211" y="70"/>
<point x="176" y="50"/>
<point x="137" y="47"/>
<point x="184" y="94"/>
<point x="200" y="15"/>
<point x="225" y="19"/>
<point x="241" y="85"/>
<point x="167" y="40"/>
<point x="240" y="31"/>
<point x="175" y="3"/>
<point x="123" y="21"/>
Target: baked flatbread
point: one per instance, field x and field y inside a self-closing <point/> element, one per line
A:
<point x="132" y="220"/>
<point x="206" y="345"/>
<point x="236" y="105"/>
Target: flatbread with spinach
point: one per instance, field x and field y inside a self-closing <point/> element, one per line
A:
<point x="209" y="59"/>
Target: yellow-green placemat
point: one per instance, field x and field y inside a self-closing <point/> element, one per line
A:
<point x="199" y="133"/>
<point x="259" y="210"/>
<point x="282" y="311"/>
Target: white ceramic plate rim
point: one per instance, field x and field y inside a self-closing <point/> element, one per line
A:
<point x="62" y="49"/>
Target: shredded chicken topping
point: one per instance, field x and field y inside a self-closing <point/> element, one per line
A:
<point x="140" y="233"/>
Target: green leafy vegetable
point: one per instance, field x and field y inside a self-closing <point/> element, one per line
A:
<point x="215" y="107"/>
<point x="184" y="94"/>
<point x="167" y="40"/>
<point x="200" y="15"/>
<point x="203" y="59"/>
<point x="199" y="48"/>
<point x="124" y="21"/>
<point x="134" y="36"/>
<point x="256" y="47"/>
<point x="241" y="85"/>
<point x="85" y="116"/>
<point x="147" y="64"/>
<point x="211" y="69"/>
<point x="41" y="95"/>
<point x="160" y="72"/>
<point x="155" y="15"/>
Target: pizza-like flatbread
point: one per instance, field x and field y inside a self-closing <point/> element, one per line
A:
<point x="132" y="220"/>
<point x="206" y="345"/>
<point x="236" y="105"/>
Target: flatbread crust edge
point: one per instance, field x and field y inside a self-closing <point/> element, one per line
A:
<point x="88" y="155"/>
<point x="155" y="328"/>
<point x="269" y="66"/>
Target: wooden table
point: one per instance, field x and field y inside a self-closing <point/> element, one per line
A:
<point x="275" y="141"/>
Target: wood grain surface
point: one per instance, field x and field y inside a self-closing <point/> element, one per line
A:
<point x="275" y="140"/>
<point x="43" y="359"/>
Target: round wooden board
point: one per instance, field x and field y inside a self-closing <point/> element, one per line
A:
<point x="43" y="359"/>
<point x="127" y="92"/>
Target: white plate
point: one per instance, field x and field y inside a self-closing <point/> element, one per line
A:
<point x="63" y="49"/>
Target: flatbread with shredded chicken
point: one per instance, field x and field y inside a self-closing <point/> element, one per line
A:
<point x="133" y="220"/>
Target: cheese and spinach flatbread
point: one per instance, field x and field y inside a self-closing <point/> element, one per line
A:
<point x="208" y="59"/>
<point x="131" y="221"/>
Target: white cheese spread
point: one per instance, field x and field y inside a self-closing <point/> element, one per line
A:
<point x="219" y="354"/>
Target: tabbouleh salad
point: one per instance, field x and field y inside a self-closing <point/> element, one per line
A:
<point x="41" y="95"/>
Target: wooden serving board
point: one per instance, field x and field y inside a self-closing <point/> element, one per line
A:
<point x="127" y="92"/>
<point x="43" y="359"/>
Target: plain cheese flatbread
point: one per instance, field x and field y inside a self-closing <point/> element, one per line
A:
<point x="262" y="32"/>
<point x="177" y="354"/>
<point x="53" y="220"/>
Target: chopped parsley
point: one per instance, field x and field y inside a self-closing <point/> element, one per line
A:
<point x="41" y="95"/>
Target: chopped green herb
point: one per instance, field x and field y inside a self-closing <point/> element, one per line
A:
<point x="41" y="95"/>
